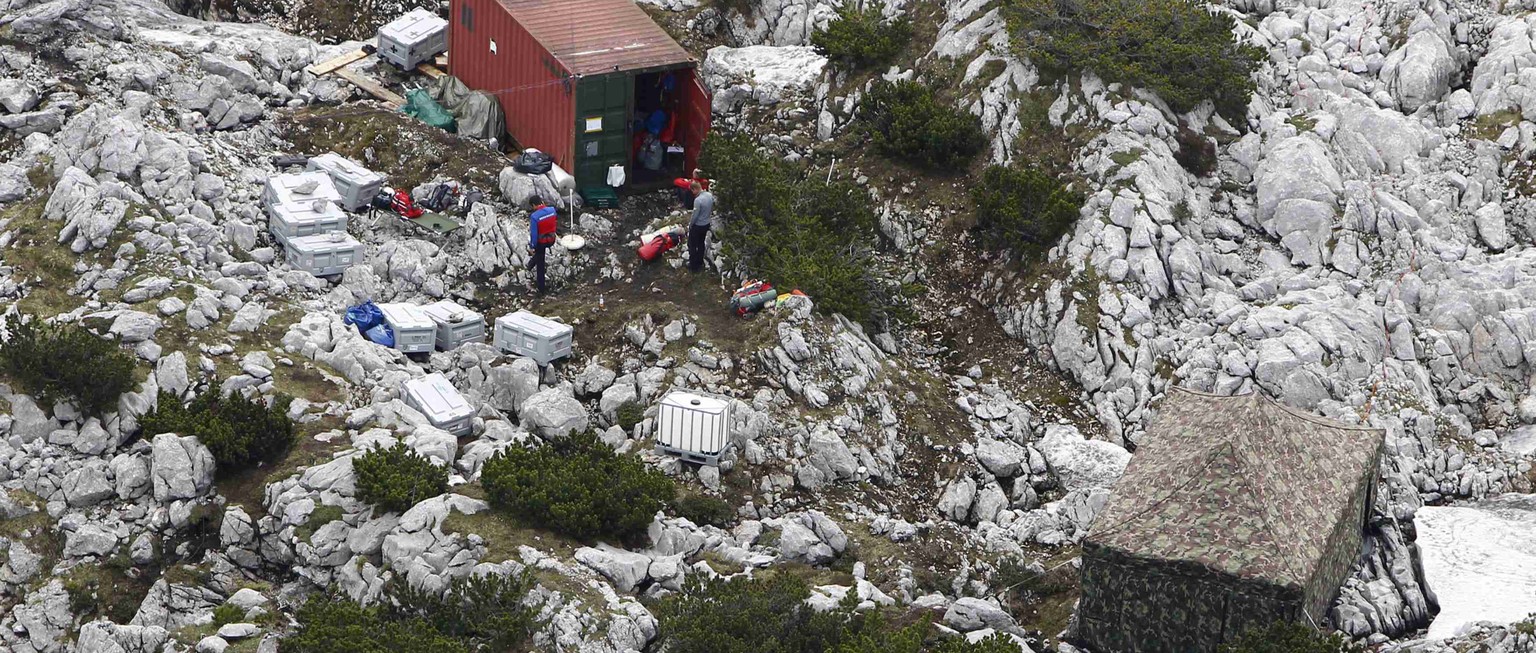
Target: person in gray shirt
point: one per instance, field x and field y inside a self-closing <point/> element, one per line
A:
<point x="698" y="225"/>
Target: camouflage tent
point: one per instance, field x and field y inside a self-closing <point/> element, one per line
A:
<point x="1235" y="512"/>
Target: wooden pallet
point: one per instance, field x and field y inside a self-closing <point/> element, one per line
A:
<point x="338" y="63"/>
<point x="430" y="70"/>
<point x="372" y="87"/>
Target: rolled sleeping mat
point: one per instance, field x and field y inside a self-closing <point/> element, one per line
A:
<point x="753" y="302"/>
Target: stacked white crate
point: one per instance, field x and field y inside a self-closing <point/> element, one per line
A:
<point x="323" y="255"/>
<point x="356" y="185"/>
<point x="304" y="217"/>
<point x="289" y="221"/>
<point x="294" y="188"/>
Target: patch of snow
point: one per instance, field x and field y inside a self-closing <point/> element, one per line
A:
<point x="1480" y="560"/>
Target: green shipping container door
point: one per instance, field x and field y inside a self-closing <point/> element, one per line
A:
<point x="602" y="126"/>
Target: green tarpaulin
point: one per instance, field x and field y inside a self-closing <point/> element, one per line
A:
<point x="419" y="103"/>
<point x="478" y="112"/>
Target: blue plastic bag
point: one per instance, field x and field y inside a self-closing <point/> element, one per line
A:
<point x="365" y="316"/>
<point x="381" y="334"/>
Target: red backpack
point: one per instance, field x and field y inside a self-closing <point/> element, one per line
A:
<point x="544" y="218"/>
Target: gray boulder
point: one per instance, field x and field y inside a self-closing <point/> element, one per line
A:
<point x="554" y="414"/>
<point x="1420" y="72"/>
<point x="13" y="182"/>
<point x="17" y="96"/>
<point x="626" y="570"/>
<point x="969" y="613"/>
<point x="180" y="467"/>
<point x="1001" y="458"/>
<point x="87" y="484"/>
<point x="1079" y="463"/>
<point x="133" y="326"/>
<point x="90" y="539"/>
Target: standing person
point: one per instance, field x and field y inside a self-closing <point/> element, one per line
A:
<point x="698" y="226"/>
<point x="541" y="235"/>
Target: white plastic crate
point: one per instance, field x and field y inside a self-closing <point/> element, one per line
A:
<point x="296" y="220"/>
<point x="525" y="334"/>
<point x="413" y="38"/>
<point x="288" y="189"/>
<point x="436" y="398"/>
<point x="356" y="185"/>
<point x="693" y="427"/>
<point x="415" y="333"/>
<point x="323" y="255"/>
<point x="456" y="325"/>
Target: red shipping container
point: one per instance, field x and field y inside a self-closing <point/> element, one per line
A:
<point x="572" y="74"/>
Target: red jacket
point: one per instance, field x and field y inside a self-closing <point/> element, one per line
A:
<point x="686" y="183"/>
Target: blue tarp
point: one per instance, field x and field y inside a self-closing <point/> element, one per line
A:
<point x="381" y="334"/>
<point x="365" y="316"/>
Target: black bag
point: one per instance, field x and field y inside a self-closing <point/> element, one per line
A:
<point x="532" y="162"/>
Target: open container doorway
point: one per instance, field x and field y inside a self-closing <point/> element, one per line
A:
<point x="651" y="122"/>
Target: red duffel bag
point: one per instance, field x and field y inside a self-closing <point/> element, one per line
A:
<point x="659" y="245"/>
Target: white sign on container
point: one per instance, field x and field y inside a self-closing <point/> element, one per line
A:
<point x="444" y="407"/>
<point x="415" y="333"/>
<point x="456" y="325"/>
<point x="693" y="427"/>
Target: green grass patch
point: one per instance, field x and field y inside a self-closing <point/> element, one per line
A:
<point x="319" y="517"/>
<point x="503" y="535"/>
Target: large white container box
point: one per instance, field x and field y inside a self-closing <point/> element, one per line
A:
<point x="323" y="255"/>
<point x="693" y="427"/>
<point x="289" y="221"/>
<point x="356" y="185"/>
<point x="415" y="333"/>
<point x="456" y="325"/>
<point x="436" y="398"/>
<point x="413" y="38"/>
<point x="525" y="334"/>
<point x="296" y="189"/>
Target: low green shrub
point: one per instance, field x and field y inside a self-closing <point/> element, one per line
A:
<point x="742" y="7"/>
<point x="907" y="123"/>
<point x="1177" y="48"/>
<point x="228" y="614"/>
<point x="769" y="615"/>
<point x="629" y="414"/>
<point x="1290" y="638"/>
<point x="860" y="38"/>
<point x="794" y="232"/>
<point x="704" y="509"/>
<point x="66" y="362"/>
<point x="577" y="486"/>
<point x="1197" y="154"/>
<point x="238" y="431"/>
<point x="474" y="615"/>
<point x="397" y="478"/>
<point x="1022" y="209"/>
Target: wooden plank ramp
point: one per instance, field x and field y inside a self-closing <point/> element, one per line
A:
<point x="337" y="63"/>
<point x="372" y="87"/>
